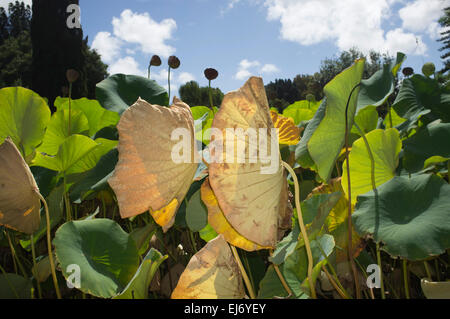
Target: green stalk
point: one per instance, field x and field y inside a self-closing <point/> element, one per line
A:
<point x="383" y="295"/>
<point x="14" y="253"/>
<point x="194" y="246"/>
<point x="436" y="265"/>
<point x="8" y="282"/>
<point x="405" y="278"/>
<point x="349" y="215"/>
<point x="427" y="270"/>
<point x="302" y="228"/>
<point x="33" y="253"/>
<point x="49" y="247"/>
<point x="210" y="95"/>
<point x="168" y="81"/>
<point x="243" y="273"/>
<point x="247" y="264"/>
<point x="67" y="201"/>
<point x="70" y="108"/>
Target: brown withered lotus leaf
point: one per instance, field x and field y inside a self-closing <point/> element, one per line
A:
<point x="212" y="273"/>
<point x="249" y="199"/>
<point x="146" y="178"/>
<point x="19" y="199"/>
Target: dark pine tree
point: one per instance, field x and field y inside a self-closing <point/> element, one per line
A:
<point x="56" y="48"/>
<point x="444" y="21"/>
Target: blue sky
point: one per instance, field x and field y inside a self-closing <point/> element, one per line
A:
<point x="269" y="38"/>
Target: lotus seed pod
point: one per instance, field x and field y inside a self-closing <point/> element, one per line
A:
<point x="211" y="74"/>
<point x="155" y="61"/>
<point x="72" y="75"/>
<point x="310" y="97"/>
<point x="408" y="71"/>
<point x="174" y="62"/>
<point x="428" y="69"/>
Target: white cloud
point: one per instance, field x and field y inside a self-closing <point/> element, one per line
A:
<point x="141" y="29"/>
<point x="269" y="68"/>
<point x="248" y="68"/>
<point x="107" y="46"/>
<point x="5" y="3"/>
<point x="348" y="23"/>
<point x="126" y="65"/>
<point x="185" y="77"/>
<point x="422" y="16"/>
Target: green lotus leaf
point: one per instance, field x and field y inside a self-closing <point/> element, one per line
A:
<point x="77" y="154"/>
<point x="419" y="95"/>
<point x="409" y="215"/>
<point x="207" y="233"/>
<point x="302" y="155"/>
<point x="301" y="111"/>
<point x="96" y="115"/>
<point x="377" y="89"/>
<point x="58" y="130"/>
<point x="327" y="140"/>
<point x="13" y="286"/>
<point x="433" y="140"/>
<point x="139" y="284"/>
<point x="366" y="119"/>
<point x="386" y="147"/>
<point x="107" y="255"/>
<point x="119" y="91"/>
<point x="95" y="179"/>
<point x="196" y="213"/>
<point x="24" y="115"/>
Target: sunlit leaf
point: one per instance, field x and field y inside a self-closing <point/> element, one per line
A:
<point x="249" y="194"/>
<point x="19" y="199"/>
<point x="147" y="177"/>
<point x="211" y="274"/>
<point x="288" y="133"/>
<point x="24" y="116"/>
<point x="327" y="140"/>
<point x="385" y="146"/>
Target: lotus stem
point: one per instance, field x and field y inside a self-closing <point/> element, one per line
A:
<point x="383" y="295"/>
<point x="333" y="283"/>
<point x="427" y="270"/>
<point x="405" y="278"/>
<point x="243" y="272"/>
<point x="49" y="247"/>
<point x="16" y="258"/>
<point x="349" y="217"/>
<point x="33" y="254"/>
<point x="302" y="228"/>
<point x="210" y="95"/>
<point x="70" y="109"/>
<point x="280" y="275"/>
<point x="168" y="81"/>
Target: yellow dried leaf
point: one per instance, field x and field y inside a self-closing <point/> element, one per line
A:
<point x="250" y="199"/>
<point x="212" y="273"/>
<point x="220" y="224"/>
<point x="288" y="132"/>
<point x="19" y="200"/>
<point x="146" y="177"/>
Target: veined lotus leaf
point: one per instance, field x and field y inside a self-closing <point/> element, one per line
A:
<point x="301" y="110"/>
<point x="137" y="288"/>
<point x="24" y="116"/>
<point x="288" y="133"/>
<point x="146" y="176"/>
<point x="96" y="115"/>
<point x="430" y="141"/>
<point x="435" y="290"/>
<point x="58" y="130"/>
<point x="19" y="200"/>
<point x="411" y="216"/>
<point x="337" y="222"/>
<point x="248" y="191"/>
<point x="327" y="140"/>
<point x="386" y="146"/>
<point x="220" y="224"/>
<point x="106" y="255"/>
<point x="212" y="273"/>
